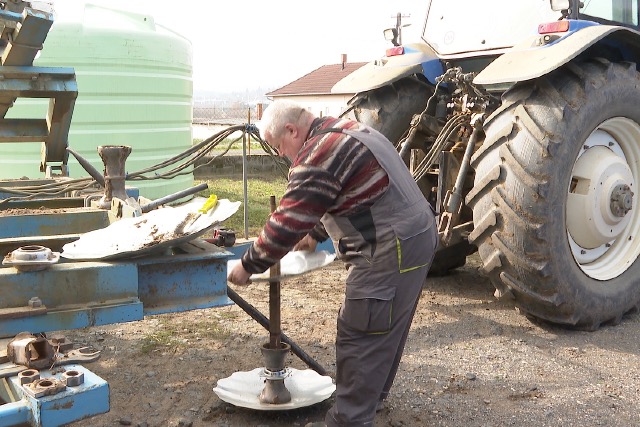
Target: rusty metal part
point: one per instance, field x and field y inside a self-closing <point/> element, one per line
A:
<point x="73" y="378"/>
<point x="262" y="320"/>
<point x="60" y="343"/>
<point x="274" y="352"/>
<point x="223" y="237"/>
<point x="621" y="200"/>
<point x="31" y="258"/>
<point x="23" y="31"/>
<point x="31" y="351"/>
<point x="274" y="298"/>
<point x="453" y="200"/>
<point x="113" y="157"/>
<point x="44" y="387"/>
<point x="79" y="355"/>
<point x="274" y="391"/>
<point x="28" y="376"/>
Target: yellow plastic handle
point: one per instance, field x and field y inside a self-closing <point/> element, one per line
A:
<point x="211" y="203"/>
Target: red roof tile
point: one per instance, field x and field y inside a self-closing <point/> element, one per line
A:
<point x="319" y="81"/>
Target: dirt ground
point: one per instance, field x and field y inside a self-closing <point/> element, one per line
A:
<point x="470" y="360"/>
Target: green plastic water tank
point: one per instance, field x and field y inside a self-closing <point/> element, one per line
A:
<point x="135" y="88"/>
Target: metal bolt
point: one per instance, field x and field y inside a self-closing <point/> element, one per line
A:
<point x="35" y="302"/>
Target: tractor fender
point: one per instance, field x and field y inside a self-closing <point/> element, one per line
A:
<point x="418" y="58"/>
<point x="528" y="60"/>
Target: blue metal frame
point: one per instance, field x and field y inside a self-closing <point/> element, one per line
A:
<point x="73" y="404"/>
<point x="82" y="294"/>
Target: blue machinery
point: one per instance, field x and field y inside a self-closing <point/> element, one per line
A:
<point x="70" y="295"/>
<point x="42" y="378"/>
<point x="39" y="383"/>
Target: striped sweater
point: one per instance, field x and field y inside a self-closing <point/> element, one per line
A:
<point x="333" y="173"/>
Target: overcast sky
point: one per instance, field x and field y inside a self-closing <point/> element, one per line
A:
<point x="246" y="44"/>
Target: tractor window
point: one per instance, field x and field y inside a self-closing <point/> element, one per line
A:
<point x="619" y="11"/>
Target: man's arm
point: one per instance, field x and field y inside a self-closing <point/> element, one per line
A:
<point x="310" y="193"/>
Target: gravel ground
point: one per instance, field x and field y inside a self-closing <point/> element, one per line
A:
<point x="470" y="360"/>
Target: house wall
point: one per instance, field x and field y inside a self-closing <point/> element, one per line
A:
<point x="320" y="105"/>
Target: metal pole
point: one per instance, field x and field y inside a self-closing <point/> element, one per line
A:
<point x="274" y="297"/>
<point x="249" y="127"/>
<point x="173" y="197"/>
<point x="262" y="320"/>
<point x="244" y="184"/>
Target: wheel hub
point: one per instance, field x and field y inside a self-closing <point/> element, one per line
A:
<point x="621" y="200"/>
<point x="600" y="197"/>
<point x="602" y="224"/>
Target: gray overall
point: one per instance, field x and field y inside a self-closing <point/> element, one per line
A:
<point x="387" y="266"/>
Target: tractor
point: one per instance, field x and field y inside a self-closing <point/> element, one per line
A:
<point x="520" y="123"/>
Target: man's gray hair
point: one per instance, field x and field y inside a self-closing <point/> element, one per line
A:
<point x="277" y="115"/>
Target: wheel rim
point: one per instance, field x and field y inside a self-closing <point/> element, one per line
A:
<point x="601" y="217"/>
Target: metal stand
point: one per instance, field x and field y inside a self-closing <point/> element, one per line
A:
<point x="274" y="390"/>
<point x="274" y="352"/>
<point x="113" y="157"/>
<point x="274" y="387"/>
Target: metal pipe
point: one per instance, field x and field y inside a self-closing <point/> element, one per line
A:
<point x="274" y="296"/>
<point x="175" y="196"/>
<point x="88" y="167"/>
<point x="455" y="199"/>
<point x="264" y="322"/>
<point x="245" y="193"/>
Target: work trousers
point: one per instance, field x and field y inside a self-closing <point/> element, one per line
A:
<point x="367" y="362"/>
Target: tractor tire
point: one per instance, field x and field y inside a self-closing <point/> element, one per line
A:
<point x="552" y="201"/>
<point x="389" y="110"/>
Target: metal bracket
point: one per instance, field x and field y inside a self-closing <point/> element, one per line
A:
<point x="57" y="84"/>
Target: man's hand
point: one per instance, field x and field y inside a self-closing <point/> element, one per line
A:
<point x="307" y="243"/>
<point x="239" y="276"/>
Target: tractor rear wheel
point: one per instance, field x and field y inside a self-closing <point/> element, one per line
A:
<point x="389" y="109"/>
<point x="555" y="217"/>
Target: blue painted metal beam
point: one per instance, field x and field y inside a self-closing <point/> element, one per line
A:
<point x="183" y="282"/>
<point x="15" y="414"/>
<point x="75" y="294"/>
<point x="64" y="320"/>
<point x="83" y="294"/>
<point x="70" y="284"/>
<point x="46" y="223"/>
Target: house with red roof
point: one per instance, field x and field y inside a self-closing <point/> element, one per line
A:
<point x="313" y="90"/>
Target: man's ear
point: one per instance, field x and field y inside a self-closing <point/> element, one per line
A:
<point x="290" y="127"/>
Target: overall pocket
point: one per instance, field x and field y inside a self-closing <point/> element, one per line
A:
<point x="368" y="309"/>
<point x="415" y="244"/>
